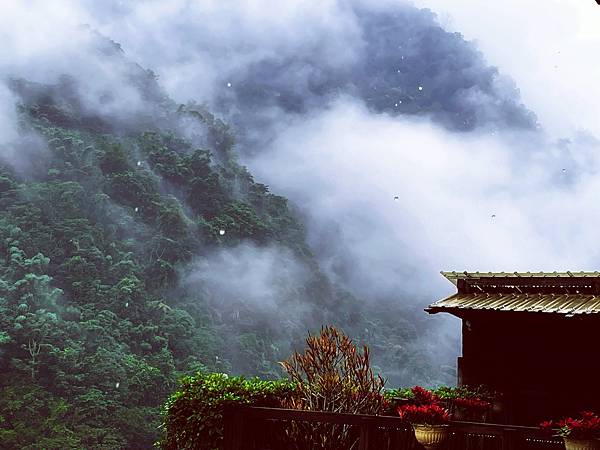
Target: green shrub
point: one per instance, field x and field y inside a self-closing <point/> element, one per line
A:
<point x="404" y="393"/>
<point x="193" y="415"/>
<point x="450" y="393"/>
<point x="441" y="392"/>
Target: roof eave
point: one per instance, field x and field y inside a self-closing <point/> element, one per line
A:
<point x="461" y="312"/>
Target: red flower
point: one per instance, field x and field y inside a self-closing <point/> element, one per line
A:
<point x="586" y="426"/>
<point x="424" y="414"/>
<point x="472" y="404"/>
<point x="423" y="396"/>
<point x="547" y="426"/>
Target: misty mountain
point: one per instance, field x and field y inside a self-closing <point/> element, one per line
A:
<point x="398" y="61"/>
<point x="135" y="249"/>
<point x="295" y="106"/>
<point x="202" y="193"/>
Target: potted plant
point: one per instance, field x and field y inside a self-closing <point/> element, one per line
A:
<point x="428" y="419"/>
<point x="579" y="433"/>
<point x="465" y="403"/>
<point x="472" y="409"/>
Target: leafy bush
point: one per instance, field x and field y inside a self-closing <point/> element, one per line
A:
<point x="332" y="375"/>
<point x="443" y="392"/>
<point x="449" y="393"/>
<point x="193" y="416"/>
<point x="403" y="393"/>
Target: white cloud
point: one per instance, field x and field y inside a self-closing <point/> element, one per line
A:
<point x="194" y="45"/>
<point x="8" y="116"/>
<point x="248" y="277"/>
<point x="345" y="166"/>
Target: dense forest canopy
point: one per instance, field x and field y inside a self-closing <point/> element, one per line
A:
<point x="117" y="234"/>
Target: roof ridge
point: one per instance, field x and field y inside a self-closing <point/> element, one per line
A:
<point x="453" y="276"/>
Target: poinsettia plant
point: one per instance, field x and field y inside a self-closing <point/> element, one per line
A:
<point x="460" y="402"/>
<point x="472" y="409"/>
<point x="431" y="414"/>
<point x="422" y="396"/>
<point x="586" y="426"/>
<point x="471" y="403"/>
<point x="425" y="408"/>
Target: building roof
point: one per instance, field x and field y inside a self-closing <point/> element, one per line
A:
<point x="454" y="276"/>
<point x="566" y="304"/>
<point x="564" y="293"/>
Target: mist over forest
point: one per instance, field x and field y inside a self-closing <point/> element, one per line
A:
<point x="192" y="186"/>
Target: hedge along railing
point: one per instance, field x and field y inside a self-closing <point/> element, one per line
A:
<point x="254" y="428"/>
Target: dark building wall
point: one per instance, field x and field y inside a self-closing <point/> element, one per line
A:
<point x="547" y="365"/>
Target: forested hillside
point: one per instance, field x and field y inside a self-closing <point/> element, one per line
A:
<point x="113" y="230"/>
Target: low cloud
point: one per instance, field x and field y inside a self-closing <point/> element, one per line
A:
<point x="389" y="202"/>
<point x="8" y="117"/>
<point x="248" y="279"/>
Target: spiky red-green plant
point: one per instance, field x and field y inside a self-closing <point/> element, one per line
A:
<point x="331" y="374"/>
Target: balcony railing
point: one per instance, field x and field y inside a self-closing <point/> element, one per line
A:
<point x="253" y="428"/>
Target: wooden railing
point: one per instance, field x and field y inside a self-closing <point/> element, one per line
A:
<point x="253" y="428"/>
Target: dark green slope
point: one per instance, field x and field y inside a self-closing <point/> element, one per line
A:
<point x="95" y="328"/>
<point x="104" y="221"/>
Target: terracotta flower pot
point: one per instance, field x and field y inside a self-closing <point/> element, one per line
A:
<point x="581" y="444"/>
<point x="430" y="436"/>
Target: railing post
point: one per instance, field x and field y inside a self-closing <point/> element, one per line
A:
<point x="367" y="434"/>
<point x="233" y="428"/>
<point x="509" y="440"/>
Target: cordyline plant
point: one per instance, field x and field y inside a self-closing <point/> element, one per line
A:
<point x="332" y="375"/>
<point x="586" y="426"/>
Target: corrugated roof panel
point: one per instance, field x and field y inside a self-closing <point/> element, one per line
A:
<point x="543" y="302"/>
<point x="592" y="304"/>
<point x="566" y="304"/>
